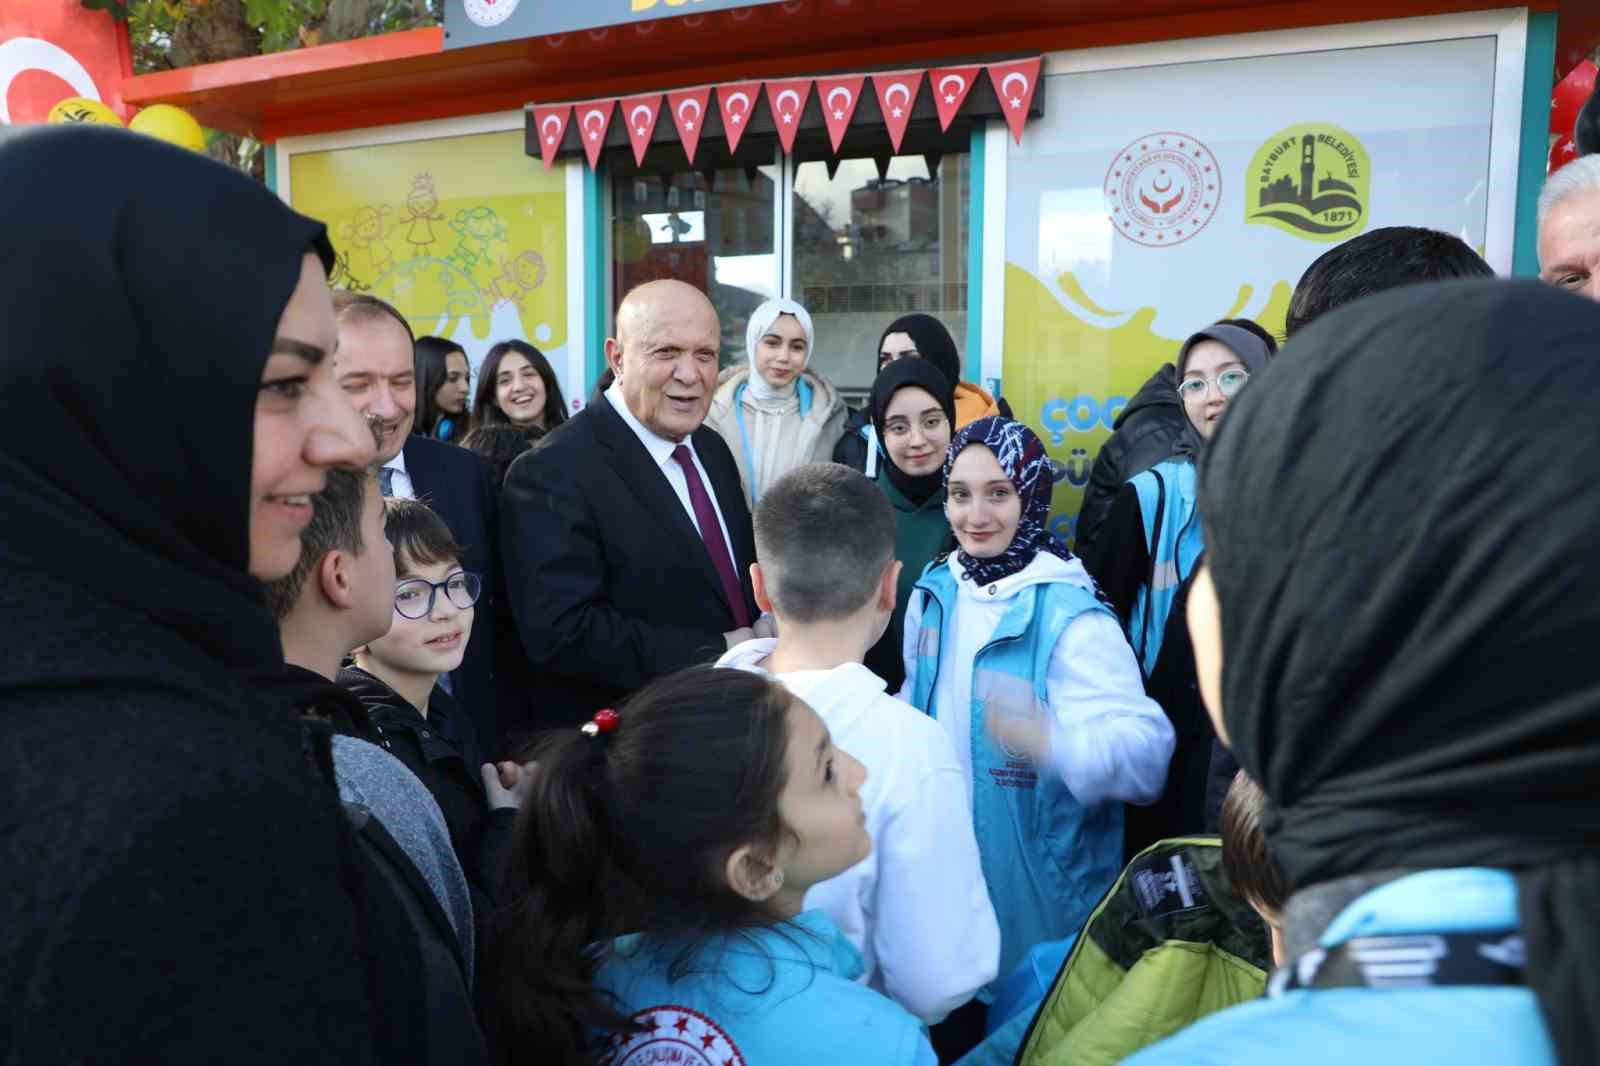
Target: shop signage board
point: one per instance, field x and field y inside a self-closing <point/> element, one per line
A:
<point x="1150" y="202"/>
<point x="474" y="22"/>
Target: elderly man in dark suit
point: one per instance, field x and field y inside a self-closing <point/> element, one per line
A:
<point x="375" y="366"/>
<point x="627" y="541"/>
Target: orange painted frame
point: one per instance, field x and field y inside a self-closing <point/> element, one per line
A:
<point x="408" y="77"/>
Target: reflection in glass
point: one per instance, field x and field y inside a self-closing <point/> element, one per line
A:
<point x="712" y="229"/>
<point x="869" y="248"/>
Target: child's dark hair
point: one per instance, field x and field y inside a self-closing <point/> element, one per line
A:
<point x="499" y="443"/>
<point x="418" y="534"/>
<point x="335" y="526"/>
<point x="1249" y="865"/>
<point x="824" y="533"/>
<point x="630" y="832"/>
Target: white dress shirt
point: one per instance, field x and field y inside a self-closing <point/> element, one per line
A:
<point x="401" y="486"/>
<point x="661" y="449"/>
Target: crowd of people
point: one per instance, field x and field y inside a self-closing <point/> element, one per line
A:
<point x="358" y="716"/>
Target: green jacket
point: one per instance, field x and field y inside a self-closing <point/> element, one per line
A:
<point x="920" y="534"/>
<point x="1169" y="944"/>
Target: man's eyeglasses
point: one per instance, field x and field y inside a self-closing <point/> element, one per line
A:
<point x="1228" y="382"/>
<point x="413" y="597"/>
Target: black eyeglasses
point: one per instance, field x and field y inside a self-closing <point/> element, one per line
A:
<point x="413" y="597"/>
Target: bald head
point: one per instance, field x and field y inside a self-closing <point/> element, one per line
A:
<point x="1569" y="227"/>
<point x="664" y="356"/>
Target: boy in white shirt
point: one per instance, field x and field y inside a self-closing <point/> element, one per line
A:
<point x="917" y="907"/>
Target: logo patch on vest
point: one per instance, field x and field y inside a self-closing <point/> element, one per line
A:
<point x="1167" y="884"/>
<point x="672" y="1036"/>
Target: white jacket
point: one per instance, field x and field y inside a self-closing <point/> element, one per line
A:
<point x="775" y="438"/>
<point x="917" y="907"/>
<point x="1108" y="740"/>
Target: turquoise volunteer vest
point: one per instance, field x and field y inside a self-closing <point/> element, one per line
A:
<point x="1174" y="539"/>
<point x="1047" y="858"/>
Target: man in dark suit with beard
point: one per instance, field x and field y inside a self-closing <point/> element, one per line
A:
<point x="627" y="542"/>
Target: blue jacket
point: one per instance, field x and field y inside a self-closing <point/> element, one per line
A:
<point x="1458" y="1026"/>
<point x="785" y="996"/>
<point x="1174" y="539"/>
<point x="1047" y="858"/>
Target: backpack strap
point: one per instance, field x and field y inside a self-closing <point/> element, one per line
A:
<point x="1417" y="960"/>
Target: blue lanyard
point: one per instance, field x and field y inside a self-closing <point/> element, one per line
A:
<point x="744" y="435"/>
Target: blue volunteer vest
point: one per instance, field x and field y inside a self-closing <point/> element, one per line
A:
<point x="1047" y="858"/>
<point x="1174" y="539"/>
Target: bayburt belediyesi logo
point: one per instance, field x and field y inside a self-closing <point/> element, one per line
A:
<point x="1310" y="180"/>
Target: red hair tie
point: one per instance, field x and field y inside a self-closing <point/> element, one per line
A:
<point x="605" y="721"/>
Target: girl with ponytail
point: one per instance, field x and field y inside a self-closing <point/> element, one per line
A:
<point x="662" y="861"/>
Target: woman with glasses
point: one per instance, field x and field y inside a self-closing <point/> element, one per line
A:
<point x="1148" y="548"/>
<point x="912" y="415"/>
<point x="398" y="678"/>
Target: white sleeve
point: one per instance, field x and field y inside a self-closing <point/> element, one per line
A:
<point x="936" y="938"/>
<point x="1108" y="740"/>
<point x="910" y="642"/>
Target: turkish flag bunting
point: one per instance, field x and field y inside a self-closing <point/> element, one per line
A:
<point x="897" y="94"/>
<point x="738" y="102"/>
<point x="552" y="125"/>
<point x="950" y="88"/>
<point x="1013" y="86"/>
<point x="593" y="119"/>
<point x="839" y="97"/>
<point x="688" y="107"/>
<point x="788" y="100"/>
<point x="641" y="113"/>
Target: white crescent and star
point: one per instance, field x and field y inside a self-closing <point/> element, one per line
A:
<point x="633" y="116"/>
<point x="688" y="123"/>
<point x="1005" y="83"/>
<point x="788" y="116"/>
<point x="888" y="96"/>
<point x="839" y="90"/>
<point x="961" y="86"/>
<point x="594" y="134"/>
<point x="32" y="53"/>
<point x="545" y="125"/>
<point x="736" y="117"/>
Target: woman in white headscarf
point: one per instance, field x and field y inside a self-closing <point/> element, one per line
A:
<point x="773" y="412"/>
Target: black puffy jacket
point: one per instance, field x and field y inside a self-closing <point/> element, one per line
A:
<point x="1145" y="433"/>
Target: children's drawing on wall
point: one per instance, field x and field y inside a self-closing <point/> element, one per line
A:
<point x="368" y="232"/>
<point x="422" y="211"/>
<point x="518" y="277"/>
<point x="479" y="235"/>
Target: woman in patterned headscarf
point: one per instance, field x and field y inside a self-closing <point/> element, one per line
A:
<point x="1040" y="692"/>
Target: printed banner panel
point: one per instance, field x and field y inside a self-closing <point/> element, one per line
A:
<point x="466" y="236"/>
<point x="471" y="22"/>
<point x="1148" y="203"/>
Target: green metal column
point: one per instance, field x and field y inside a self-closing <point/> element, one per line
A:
<point x="1539" y="64"/>
<point x="594" y="275"/>
<point x="974" y="359"/>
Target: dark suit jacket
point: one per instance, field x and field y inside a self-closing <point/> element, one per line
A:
<point x="457" y="484"/>
<point x="609" y="580"/>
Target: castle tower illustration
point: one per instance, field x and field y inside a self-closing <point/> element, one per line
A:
<point x="1308" y="154"/>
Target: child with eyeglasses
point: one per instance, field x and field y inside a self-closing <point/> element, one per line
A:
<point x="397" y="678"/>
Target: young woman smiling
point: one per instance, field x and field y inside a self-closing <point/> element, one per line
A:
<point x="517" y="386"/>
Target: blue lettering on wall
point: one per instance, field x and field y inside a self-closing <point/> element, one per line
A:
<point x="1081" y="414"/>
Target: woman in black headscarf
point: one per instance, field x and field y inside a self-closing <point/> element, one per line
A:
<point x="913" y="412"/>
<point x="176" y="887"/>
<point x="1394" y="630"/>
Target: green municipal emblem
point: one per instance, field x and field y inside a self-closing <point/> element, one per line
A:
<point x="1311" y="180"/>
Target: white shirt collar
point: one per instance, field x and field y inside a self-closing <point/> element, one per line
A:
<point x="659" y="447"/>
<point x="398" y="462"/>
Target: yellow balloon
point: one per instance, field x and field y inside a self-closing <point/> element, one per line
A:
<point x="171" y="124"/>
<point x="83" y="109"/>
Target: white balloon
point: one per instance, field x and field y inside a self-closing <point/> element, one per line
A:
<point x="30" y="53"/>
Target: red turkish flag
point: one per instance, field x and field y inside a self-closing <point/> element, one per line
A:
<point x="1014" y="84"/>
<point x="839" y="97"/>
<point x="950" y="88"/>
<point x="897" y="94"/>
<point x="593" y="119"/>
<point x="788" y="100"/>
<point x="688" y="107"/>
<point x="640" y="113"/>
<point x="55" y="49"/>
<point x="738" y="102"/>
<point x="551" y="123"/>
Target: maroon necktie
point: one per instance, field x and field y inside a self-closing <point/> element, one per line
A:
<point x="705" y="516"/>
